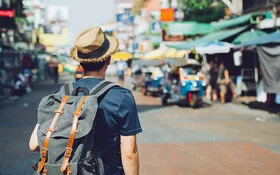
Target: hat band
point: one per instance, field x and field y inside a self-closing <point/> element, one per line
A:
<point x="98" y="52"/>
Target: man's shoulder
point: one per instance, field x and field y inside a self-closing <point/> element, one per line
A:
<point x="119" y="91"/>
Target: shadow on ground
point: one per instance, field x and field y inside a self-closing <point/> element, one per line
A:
<point x="145" y="108"/>
<point x="272" y="108"/>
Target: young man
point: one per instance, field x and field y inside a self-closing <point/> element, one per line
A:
<point x="117" y="121"/>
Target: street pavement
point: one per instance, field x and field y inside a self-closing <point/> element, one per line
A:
<point x="219" y="139"/>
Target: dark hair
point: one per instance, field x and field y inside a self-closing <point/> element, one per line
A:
<point x="93" y="66"/>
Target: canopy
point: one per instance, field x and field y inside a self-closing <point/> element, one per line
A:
<point x="266" y="39"/>
<point x="232" y="22"/>
<point x="248" y="36"/>
<point x="216" y="36"/>
<point x="189" y="28"/>
<point x="142" y="63"/>
<point x="165" y="52"/>
<point x="214" y="47"/>
<point x="173" y="53"/>
<point x="155" y="54"/>
<point x="121" y="56"/>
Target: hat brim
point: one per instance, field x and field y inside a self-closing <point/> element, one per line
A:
<point x="114" y="45"/>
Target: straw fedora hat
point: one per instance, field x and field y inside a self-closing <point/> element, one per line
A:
<point x="93" y="46"/>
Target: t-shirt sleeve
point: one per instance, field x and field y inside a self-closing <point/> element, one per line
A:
<point x="129" y="120"/>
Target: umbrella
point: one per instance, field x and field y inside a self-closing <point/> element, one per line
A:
<point x="121" y="56"/>
<point x="215" y="47"/>
<point x="248" y="36"/>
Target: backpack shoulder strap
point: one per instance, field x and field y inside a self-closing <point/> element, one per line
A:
<point x="102" y="87"/>
<point x="67" y="89"/>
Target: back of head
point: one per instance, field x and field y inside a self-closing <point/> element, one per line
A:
<point x="92" y="48"/>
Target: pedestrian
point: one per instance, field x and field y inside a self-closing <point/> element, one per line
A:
<point x="211" y="91"/>
<point x="3" y="77"/>
<point x="224" y="81"/>
<point x="117" y="121"/>
<point x="53" y="65"/>
<point x="122" y="66"/>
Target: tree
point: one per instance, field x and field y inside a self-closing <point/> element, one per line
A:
<point x="203" y="10"/>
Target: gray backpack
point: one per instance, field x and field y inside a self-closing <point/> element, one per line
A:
<point x="66" y="131"/>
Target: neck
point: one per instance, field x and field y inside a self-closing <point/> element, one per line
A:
<point x="94" y="74"/>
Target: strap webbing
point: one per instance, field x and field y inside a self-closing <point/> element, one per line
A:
<point x="50" y="130"/>
<point x="67" y="89"/>
<point x="102" y="87"/>
<point x="73" y="132"/>
<point x="105" y="89"/>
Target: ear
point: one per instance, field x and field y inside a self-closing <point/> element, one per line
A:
<point x="108" y="61"/>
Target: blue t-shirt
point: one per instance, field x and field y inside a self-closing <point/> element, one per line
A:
<point x="117" y="115"/>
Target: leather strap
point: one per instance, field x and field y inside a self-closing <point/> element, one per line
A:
<point x="73" y="132"/>
<point x="51" y="129"/>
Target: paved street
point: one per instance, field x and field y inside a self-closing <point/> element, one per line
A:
<point x="217" y="140"/>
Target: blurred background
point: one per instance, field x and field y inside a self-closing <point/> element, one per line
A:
<point x="208" y="70"/>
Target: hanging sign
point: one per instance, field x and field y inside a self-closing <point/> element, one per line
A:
<point x="7" y="13"/>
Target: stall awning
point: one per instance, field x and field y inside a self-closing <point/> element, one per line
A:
<point x="248" y="36"/>
<point x="215" y="36"/>
<point x="232" y="22"/>
<point x="189" y="28"/>
<point x="266" y="39"/>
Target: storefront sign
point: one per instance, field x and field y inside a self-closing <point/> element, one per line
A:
<point x="156" y="27"/>
<point x="7" y="13"/>
<point x="125" y="18"/>
<point x="179" y="14"/>
<point x="167" y="14"/>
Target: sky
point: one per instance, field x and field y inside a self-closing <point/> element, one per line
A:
<point x="86" y="13"/>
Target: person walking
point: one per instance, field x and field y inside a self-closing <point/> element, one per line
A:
<point x="122" y="67"/>
<point x="117" y="121"/>
<point x="212" y="88"/>
<point x="224" y="81"/>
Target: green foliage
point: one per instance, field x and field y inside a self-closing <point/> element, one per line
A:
<point x="202" y="10"/>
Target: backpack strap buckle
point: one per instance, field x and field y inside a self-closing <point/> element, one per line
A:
<point x="57" y="111"/>
<point x="77" y="113"/>
<point x="44" y="152"/>
<point x="51" y="130"/>
<point x="68" y="152"/>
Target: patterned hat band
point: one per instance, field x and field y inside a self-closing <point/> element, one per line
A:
<point x="98" y="52"/>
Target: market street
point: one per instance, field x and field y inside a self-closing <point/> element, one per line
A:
<point x="218" y="139"/>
